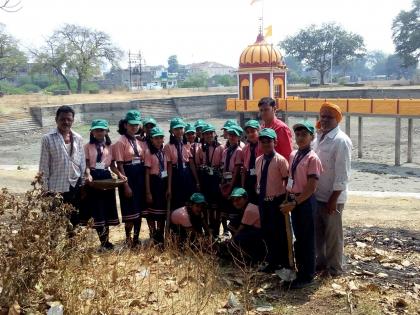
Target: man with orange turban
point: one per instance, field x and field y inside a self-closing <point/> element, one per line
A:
<point x="333" y="147"/>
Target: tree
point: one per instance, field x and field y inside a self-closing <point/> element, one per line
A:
<point x="173" y="65"/>
<point x="224" y="80"/>
<point x="11" y="58"/>
<point x="406" y="34"/>
<point x="316" y="45"/>
<point x="52" y="56"/>
<point x="198" y="79"/>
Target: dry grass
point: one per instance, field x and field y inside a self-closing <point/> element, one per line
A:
<point x="17" y="103"/>
<point x="41" y="267"/>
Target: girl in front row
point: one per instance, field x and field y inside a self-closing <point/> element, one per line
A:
<point x="100" y="205"/>
<point x="158" y="185"/>
<point x="129" y="153"/>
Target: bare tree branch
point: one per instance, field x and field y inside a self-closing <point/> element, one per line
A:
<point x="9" y="6"/>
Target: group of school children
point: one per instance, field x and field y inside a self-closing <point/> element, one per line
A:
<point x="247" y="188"/>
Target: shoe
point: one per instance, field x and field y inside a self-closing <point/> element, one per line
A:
<point x="108" y="245"/>
<point x="136" y="243"/>
<point x="300" y="284"/>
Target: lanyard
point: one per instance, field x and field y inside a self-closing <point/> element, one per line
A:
<point x="161" y="158"/>
<point x="100" y="146"/>
<point x="133" y="144"/>
<point x="298" y="158"/>
<point x="209" y="161"/>
<point x="229" y="154"/>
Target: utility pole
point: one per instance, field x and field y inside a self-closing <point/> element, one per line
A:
<point x="129" y="69"/>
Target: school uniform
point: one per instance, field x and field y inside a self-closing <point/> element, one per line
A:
<point x="181" y="222"/>
<point x="249" y="239"/>
<point x="158" y="178"/>
<point x="271" y="171"/>
<point x="131" y="152"/>
<point x="232" y="157"/>
<point x="251" y="152"/>
<point x="211" y="160"/>
<point x="100" y="205"/>
<point x="194" y="149"/>
<point x="183" y="185"/>
<point x="303" y="165"/>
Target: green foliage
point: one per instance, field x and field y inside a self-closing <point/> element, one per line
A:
<point x="30" y="88"/>
<point x="173" y="65"/>
<point x="76" y="48"/>
<point x="8" y="88"/>
<point x="224" y="80"/>
<point x="316" y="45"/>
<point x="406" y="35"/>
<point x="12" y="60"/>
<point x="199" y="79"/>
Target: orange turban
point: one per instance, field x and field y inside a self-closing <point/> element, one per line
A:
<point x="336" y="110"/>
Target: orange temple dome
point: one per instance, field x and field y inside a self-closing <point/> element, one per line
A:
<point x="261" y="54"/>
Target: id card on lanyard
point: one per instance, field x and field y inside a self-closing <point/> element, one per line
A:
<point x="100" y="165"/>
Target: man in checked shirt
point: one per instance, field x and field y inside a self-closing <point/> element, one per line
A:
<point x="62" y="162"/>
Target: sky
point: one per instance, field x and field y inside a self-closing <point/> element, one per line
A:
<point x="200" y="30"/>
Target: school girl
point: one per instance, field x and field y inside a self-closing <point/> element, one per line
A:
<point x="232" y="161"/>
<point x="251" y="151"/>
<point x="184" y="174"/>
<point x="129" y="153"/>
<point x="304" y="171"/>
<point x="98" y="204"/>
<point x="199" y="124"/>
<point x="210" y="155"/>
<point x="187" y="222"/>
<point x="190" y="141"/>
<point x="158" y="184"/>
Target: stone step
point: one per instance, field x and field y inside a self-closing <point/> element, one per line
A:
<point x="19" y="125"/>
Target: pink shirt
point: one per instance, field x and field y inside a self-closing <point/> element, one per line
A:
<point x="277" y="170"/>
<point x="194" y="148"/>
<point x="123" y="151"/>
<point x="310" y="165"/>
<point x="172" y="153"/>
<point x="91" y="153"/>
<point x="247" y="154"/>
<point x="181" y="217"/>
<point x="236" y="159"/>
<point x="284" y="137"/>
<point x="151" y="161"/>
<point x="251" y="216"/>
<point x="215" y="155"/>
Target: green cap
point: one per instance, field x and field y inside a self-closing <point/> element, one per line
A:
<point x="208" y="128"/>
<point x="133" y="117"/>
<point x="238" y="192"/>
<point x="268" y="133"/>
<point x="189" y="128"/>
<point x="252" y="124"/>
<point x="306" y="124"/>
<point x="229" y="123"/>
<point x="156" y="132"/>
<point x="177" y="123"/>
<point x="150" y="120"/>
<point x="237" y="130"/>
<point x="99" y="124"/>
<point x="199" y="123"/>
<point x="197" y="198"/>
